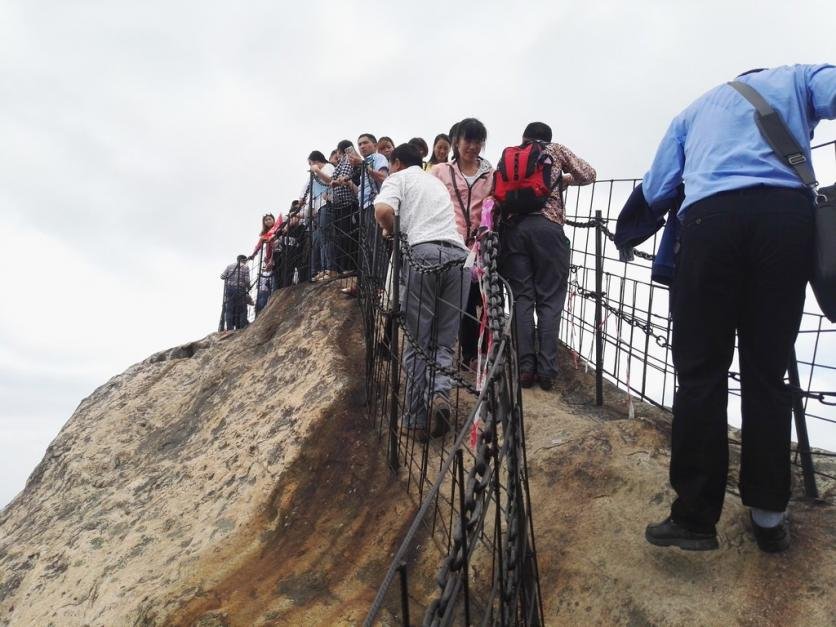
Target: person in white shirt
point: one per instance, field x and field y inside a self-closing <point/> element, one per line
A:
<point x="321" y="224"/>
<point x="431" y="302"/>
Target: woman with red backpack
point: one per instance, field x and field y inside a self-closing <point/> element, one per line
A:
<point x="469" y="180"/>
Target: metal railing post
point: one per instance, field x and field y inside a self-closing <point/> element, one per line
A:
<point x="394" y="353"/>
<point x="463" y="523"/>
<point x="810" y="488"/>
<point x="599" y="331"/>
<point x="404" y="594"/>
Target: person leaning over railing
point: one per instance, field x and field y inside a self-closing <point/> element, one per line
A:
<point x="373" y="168"/>
<point x="345" y="206"/>
<point x="534" y="258"/>
<point x="236" y="278"/>
<point x="743" y="264"/>
<point x="431" y="302"/>
<point x="321" y="220"/>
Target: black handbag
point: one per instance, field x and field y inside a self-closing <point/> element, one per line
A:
<point x="824" y="264"/>
<point x="775" y="132"/>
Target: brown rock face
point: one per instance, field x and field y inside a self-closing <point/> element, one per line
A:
<point x="236" y="481"/>
<point x="598" y="478"/>
<point x="224" y="481"/>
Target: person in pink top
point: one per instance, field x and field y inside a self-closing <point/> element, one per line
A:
<point x="269" y="226"/>
<point x="469" y="181"/>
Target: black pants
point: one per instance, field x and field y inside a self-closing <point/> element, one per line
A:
<point x="469" y="332"/>
<point x="534" y="258"/>
<point x="743" y="265"/>
<point x="346" y="235"/>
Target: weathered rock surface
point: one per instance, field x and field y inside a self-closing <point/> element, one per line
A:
<point x="597" y="478"/>
<point x="235" y="481"/>
<point x="222" y="481"/>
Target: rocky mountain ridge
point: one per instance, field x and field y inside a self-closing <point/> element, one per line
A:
<point x="235" y="481"/>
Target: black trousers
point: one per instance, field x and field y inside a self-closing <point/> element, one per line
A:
<point x="469" y="331"/>
<point x="743" y="264"/>
<point x="346" y="236"/>
<point x="534" y="258"/>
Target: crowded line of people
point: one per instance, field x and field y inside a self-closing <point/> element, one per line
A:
<point x="318" y="240"/>
<point x="715" y="166"/>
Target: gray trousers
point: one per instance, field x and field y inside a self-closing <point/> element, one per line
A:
<point x="432" y="304"/>
<point x="534" y="259"/>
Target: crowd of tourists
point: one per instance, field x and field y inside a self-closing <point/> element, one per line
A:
<point x="742" y="252"/>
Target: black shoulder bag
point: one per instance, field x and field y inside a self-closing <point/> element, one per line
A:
<point x="775" y="132"/>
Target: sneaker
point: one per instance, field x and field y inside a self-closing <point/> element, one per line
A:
<point x="546" y="383"/>
<point x="526" y="379"/>
<point x="668" y="533"/>
<point x="441" y="415"/>
<point x="771" y="539"/>
<point x="350" y="291"/>
<point x="420" y="434"/>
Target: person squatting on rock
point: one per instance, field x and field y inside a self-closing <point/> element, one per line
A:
<point x="431" y="302"/>
<point x="743" y="264"/>
<point x="236" y="278"/>
<point x="534" y="258"/>
<point x="469" y="180"/>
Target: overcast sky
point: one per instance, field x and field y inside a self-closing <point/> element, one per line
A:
<point x="141" y="142"/>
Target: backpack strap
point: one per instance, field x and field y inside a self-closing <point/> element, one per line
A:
<point x="465" y="210"/>
<point x="776" y="133"/>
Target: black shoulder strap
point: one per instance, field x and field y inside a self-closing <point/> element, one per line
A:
<point x="465" y="210"/>
<point x="774" y="130"/>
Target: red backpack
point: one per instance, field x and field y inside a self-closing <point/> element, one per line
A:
<point x="522" y="182"/>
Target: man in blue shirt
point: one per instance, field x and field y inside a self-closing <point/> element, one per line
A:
<point x="744" y="262"/>
<point x="374" y="169"/>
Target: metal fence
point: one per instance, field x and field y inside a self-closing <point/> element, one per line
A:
<point x="464" y="465"/>
<point x="467" y="470"/>
<point x="617" y="321"/>
<point x="451" y="427"/>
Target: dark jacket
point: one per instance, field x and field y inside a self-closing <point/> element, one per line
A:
<point x="638" y="221"/>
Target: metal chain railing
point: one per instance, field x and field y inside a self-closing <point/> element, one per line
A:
<point x="488" y="482"/>
<point x="633" y="327"/>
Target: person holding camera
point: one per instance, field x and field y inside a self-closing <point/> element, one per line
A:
<point x="743" y="262"/>
<point x="345" y="209"/>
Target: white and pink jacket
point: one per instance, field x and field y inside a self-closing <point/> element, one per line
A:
<point x="467" y="198"/>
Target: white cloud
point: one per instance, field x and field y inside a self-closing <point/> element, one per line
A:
<point x="142" y="142"/>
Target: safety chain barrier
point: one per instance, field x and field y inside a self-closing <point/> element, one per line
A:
<point x="622" y="325"/>
<point x="487" y="479"/>
<point x="662" y="340"/>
